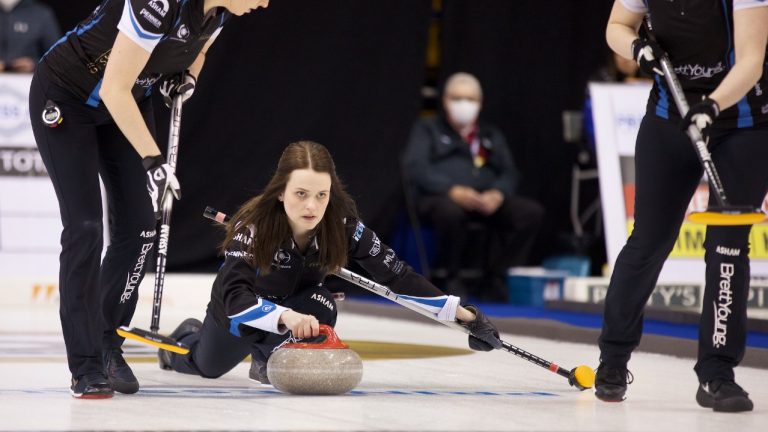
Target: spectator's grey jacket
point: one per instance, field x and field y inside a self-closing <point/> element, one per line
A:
<point x="28" y="30"/>
<point x="437" y="158"/>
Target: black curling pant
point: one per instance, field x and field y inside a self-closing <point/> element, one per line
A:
<point x="667" y="173"/>
<point x="517" y="221"/>
<point x="214" y="351"/>
<point x="96" y="296"/>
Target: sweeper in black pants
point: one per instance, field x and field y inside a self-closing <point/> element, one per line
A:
<point x="91" y="115"/>
<point x="718" y="50"/>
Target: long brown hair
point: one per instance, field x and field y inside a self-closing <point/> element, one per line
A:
<point x="266" y="212"/>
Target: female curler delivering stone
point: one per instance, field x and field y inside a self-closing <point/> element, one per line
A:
<point x="582" y="377"/>
<point x="278" y="249"/>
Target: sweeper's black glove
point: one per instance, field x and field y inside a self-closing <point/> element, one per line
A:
<point x="161" y="180"/>
<point x="484" y="335"/>
<point x="178" y="84"/>
<point x="702" y="115"/>
<point x="647" y="54"/>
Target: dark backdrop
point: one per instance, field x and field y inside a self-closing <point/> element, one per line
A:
<point x="533" y="59"/>
<point x="347" y="73"/>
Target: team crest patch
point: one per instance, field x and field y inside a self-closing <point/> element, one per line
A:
<point x="376" y="248"/>
<point x="358" y="231"/>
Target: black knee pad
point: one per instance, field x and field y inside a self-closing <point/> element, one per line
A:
<point x="89" y="231"/>
<point x="211" y="376"/>
<point x="316" y="301"/>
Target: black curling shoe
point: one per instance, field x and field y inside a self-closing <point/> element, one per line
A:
<point x="723" y="396"/>
<point x="119" y="374"/>
<point x="187" y="327"/>
<point x="611" y="382"/>
<point x="258" y="372"/>
<point x="91" y="386"/>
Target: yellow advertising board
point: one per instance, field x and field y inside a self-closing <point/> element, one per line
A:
<point x="690" y="241"/>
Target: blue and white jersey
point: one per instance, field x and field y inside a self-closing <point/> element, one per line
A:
<point x="172" y="31"/>
<point x="698" y="37"/>
<point x="247" y="302"/>
<point x="263" y="315"/>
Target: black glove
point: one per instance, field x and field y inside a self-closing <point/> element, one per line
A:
<point x="178" y="84"/>
<point x="702" y="115"/>
<point x="647" y="54"/>
<point x="484" y="335"/>
<point x="160" y="180"/>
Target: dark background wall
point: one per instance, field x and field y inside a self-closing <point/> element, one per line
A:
<point x="348" y="73"/>
<point x="533" y="59"/>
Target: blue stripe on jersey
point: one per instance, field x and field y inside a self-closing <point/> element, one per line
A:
<point x="437" y="302"/>
<point x="745" y="119"/>
<point x="58" y="42"/>
<point x="262" y="309"/>
<point x="80" y="31"/>
<point x="662" y="107"/>
<point x="140" y="31"/>
<point x="94" y="99"/>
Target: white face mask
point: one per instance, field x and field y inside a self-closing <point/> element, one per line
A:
<point x="8" y="4"/>
<point x="463" y="111"/>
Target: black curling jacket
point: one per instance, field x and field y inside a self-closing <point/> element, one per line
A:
<point x="245" y="301"/>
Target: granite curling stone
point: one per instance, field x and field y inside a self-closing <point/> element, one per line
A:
<point x="325" y="368"/>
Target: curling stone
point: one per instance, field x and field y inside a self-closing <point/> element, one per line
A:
<point x="325" y="368"/>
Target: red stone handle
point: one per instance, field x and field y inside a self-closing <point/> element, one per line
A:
<point x="331" y="341"/>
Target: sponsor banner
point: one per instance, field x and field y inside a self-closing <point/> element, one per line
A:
<point x="690" y="242"/>
<point x="14" y="111"/>
<point x="758" y="297"/>
<point x="672" y="295"/>
<point x="679" y="295"/>
<point x="618" y="110"/>
<point x="21" y="162"/>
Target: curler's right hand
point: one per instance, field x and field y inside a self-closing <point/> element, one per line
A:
<point x="301" y="326"/>
<point x="160" y="181"/>
<point x="484" y="335"/>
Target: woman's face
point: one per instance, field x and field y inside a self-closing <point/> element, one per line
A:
<point x="305" y="199"/>
<point x="240" y="7"/>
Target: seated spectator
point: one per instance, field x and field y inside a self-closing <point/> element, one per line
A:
<point x="462" y="170"/>
<point x="27" y="29"/>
